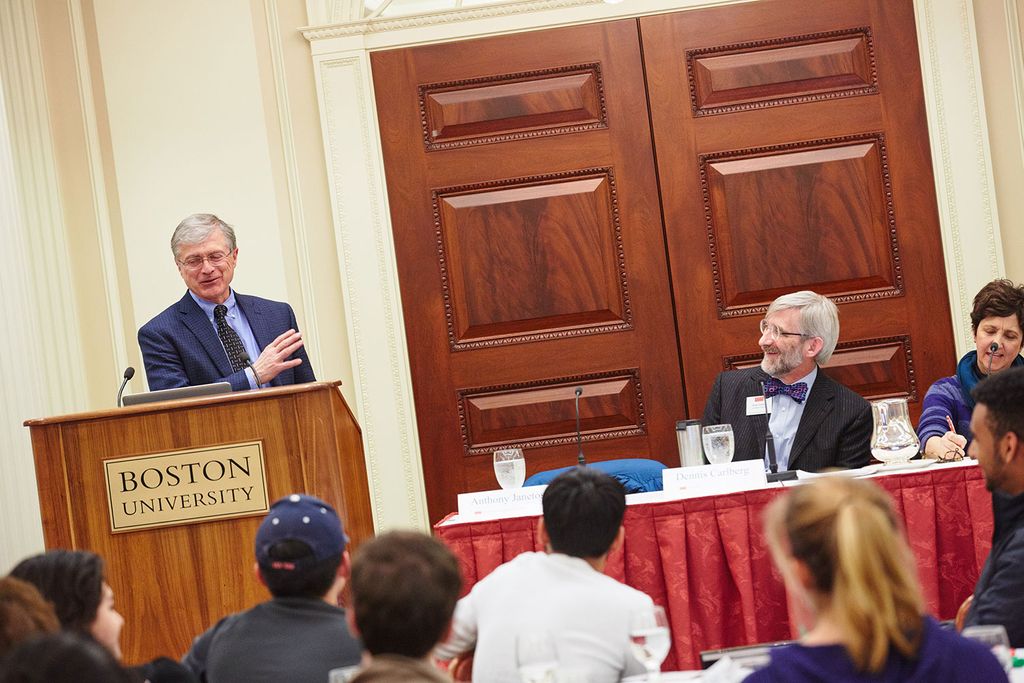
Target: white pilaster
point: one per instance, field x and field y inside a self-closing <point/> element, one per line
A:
<point x="46" y="269"/>
<point x="315" y="344"/>
<point x="370" y="284"/>
<point x="960" y="155"/>
<point x="41" y="365"/>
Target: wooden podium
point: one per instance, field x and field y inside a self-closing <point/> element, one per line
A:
<point x="173" y="582"/>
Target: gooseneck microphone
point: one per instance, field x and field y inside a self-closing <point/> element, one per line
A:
<point x="769" y="440"/>
<point x="129" y="372"/>
<point x="992" y="348"/>
<point x="244" y="357"/>
<point x="580" y="460"/>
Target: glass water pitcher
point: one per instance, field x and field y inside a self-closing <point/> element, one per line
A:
<point x="893" y="439"/>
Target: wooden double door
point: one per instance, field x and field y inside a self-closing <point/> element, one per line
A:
<point x="613" y="207"/>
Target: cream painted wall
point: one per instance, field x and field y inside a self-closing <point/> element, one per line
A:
<point x="188" y="134"/>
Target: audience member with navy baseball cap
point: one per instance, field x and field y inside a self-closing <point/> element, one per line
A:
<point x="299" y="547"/>
<point x="301" y="634"/>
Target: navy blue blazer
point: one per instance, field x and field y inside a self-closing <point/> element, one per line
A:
<point x="180" y="347"/>
<point x="834" y="430"/>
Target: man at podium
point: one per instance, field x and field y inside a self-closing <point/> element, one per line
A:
<point x="213" y="333"/>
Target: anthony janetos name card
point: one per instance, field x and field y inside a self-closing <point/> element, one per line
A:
<point x="522" y="501"/>
<point x="185" y="487"/>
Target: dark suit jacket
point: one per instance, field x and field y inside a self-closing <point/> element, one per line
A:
<point x="834" y="431"/>
<point x="180" y="347"/>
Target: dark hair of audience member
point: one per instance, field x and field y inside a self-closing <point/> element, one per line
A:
<point x="998" y="299"/>
<point x="24" y="613"/>
<point x="846" y="533"/>
<point x="70" y="579"/>
<point x="65" y="657"/>
<point x="404" y="589"/>
<point x="583" y="510"/>
<point x="309" y="579"/>
<point x="1002" y="394"/>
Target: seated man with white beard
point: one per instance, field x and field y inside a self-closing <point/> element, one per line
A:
<point x="815" y="422"/>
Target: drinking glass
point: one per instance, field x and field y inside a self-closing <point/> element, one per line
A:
<point x="536" y="657"/>
<point x="995" y="637"/>
<point x="718" y="443"/>
<point x="649" y="638"/>
<point x="509" y="467"/>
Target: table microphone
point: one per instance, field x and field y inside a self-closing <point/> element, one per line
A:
<point x="129" y="372"/>
<point x="244" y="357"/>
<point x="769" y="440"/>
<point x="580" y="460"/>
<point x="992" y="348"/>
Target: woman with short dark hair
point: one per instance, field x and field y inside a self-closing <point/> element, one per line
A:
<point x="75" y="582"/>
<point x="945" y="424"/>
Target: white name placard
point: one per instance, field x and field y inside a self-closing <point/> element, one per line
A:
<point x="503" y="502"/>
<point x="709" y="480"/>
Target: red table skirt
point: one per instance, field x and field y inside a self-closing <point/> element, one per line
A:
<point x="706" y="560"/>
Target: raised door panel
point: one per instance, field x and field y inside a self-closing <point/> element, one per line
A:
<point x="530" y="251"/>
<point x="793" y="154"/>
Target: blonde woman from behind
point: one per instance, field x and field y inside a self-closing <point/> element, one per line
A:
<point x="854" y="594"/>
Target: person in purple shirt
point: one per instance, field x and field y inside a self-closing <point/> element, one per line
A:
<point x="945" y="424"/>
<point x="854" y="594"/>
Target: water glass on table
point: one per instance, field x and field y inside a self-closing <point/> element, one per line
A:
<point x="509" y="467"/>
<point x="994" y="636"/>
<point x="649" y="638"/>
<point x="536" y="657"/>
<point x="718" y="443"/>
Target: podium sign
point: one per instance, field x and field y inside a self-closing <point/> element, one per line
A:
<point x="182" y="487"/>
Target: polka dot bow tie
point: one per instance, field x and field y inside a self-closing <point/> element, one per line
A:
<point x="774" y="387"/>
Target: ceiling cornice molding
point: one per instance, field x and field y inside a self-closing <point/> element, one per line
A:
<point x="364" y="27"/>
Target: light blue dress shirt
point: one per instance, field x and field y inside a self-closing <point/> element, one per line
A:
<point x="784" y="420"/>
<point x="238" y="322"/>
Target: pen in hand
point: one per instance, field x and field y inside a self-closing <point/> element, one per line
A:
<point x="956" y="453"/>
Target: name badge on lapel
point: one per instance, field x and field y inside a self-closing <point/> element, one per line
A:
<point x="756" y="405"/>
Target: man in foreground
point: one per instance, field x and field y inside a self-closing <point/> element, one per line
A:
<point x="214" y="334"/>
<point x="997" y="424"/>
<point x="815" y="422"/>
<point x="301" y="634"/>
<point x="560" y="595"/>
<point x="404" y="589"/>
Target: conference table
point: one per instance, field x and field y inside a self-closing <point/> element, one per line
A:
<point x="706" y="561"/>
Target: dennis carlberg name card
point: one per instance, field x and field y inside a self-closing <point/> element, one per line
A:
<point x="709" y="480"/>
<point x="521" y="501"/>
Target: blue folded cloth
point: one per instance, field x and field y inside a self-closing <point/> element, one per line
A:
<point x="637" y="475"/>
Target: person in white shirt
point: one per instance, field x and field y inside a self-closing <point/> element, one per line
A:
<point x="561" y="595"/>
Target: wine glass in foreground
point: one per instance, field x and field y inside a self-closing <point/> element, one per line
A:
<point x="509" y="467"/>
<point x="995" y="638"/>
<point x="536" y="657"/>
<point x="718" y="443"/>
<point x="649" y="639"/>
